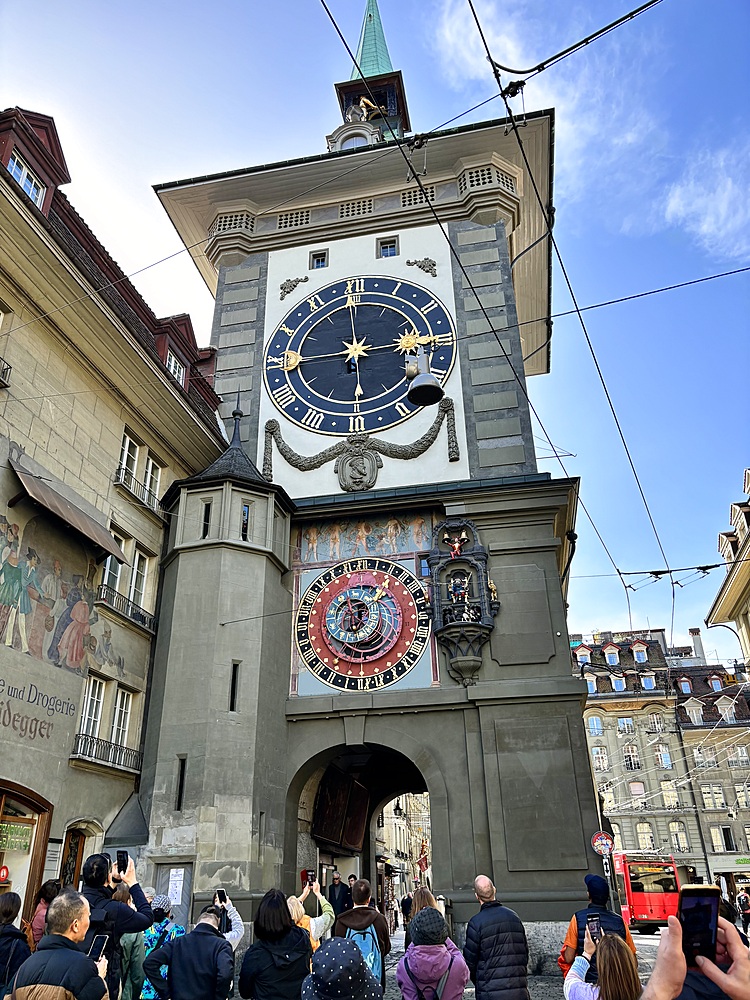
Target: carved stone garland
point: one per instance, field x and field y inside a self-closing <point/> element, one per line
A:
<point x="464" y="599"/>
<point x="358" y="456"/>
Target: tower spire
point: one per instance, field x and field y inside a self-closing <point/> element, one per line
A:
<point x="372" y="52"/>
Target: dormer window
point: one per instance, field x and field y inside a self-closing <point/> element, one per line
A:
<point x="715" y="683"/>
<point x="590" y="684"/>
<point x="618" y="683"/>
<point x="611" y="654"/>
<point x="647" y="682"/>
<point x="686" y="686"/>
<point x="175" y="367"/>
<point x="726" y="710"/>
<point x="354" y="142"/>
<point x="640" y="652"/>
<point x="31" y="185"/>
<point x="583" y="658"/>
<point x="694" y="710"/>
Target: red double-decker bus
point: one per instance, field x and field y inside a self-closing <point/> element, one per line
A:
<point x="648" y="888"/>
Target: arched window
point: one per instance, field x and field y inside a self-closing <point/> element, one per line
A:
<point x="663" y="756"/>
<point x="632" y="758"/>
<point x="679" y="838"/>
<point x="617" y="834"/>
<point x="645" y="837"/>
<point x="354" y="141"/>
<point x="595" y="725"/>
<point x="600" y="758"/>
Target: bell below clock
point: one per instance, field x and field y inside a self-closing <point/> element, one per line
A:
<point x="336" y="364"/>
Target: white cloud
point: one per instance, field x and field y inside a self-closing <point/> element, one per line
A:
<point x="711" y="201"/>
<point x="602" y="126"/>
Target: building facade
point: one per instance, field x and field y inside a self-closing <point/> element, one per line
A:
<point x="102" y="406"/>
<point x="732" y="603"/>
<point x="667" y="736"/>
<point x="382" y="578"/>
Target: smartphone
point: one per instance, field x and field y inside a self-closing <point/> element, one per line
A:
<point x="221" y="896"/>
<point x="310" y="876"/>
<point x="698" y="912"/>
<point x="122" y="861"/>
<point x="97" y="946"/>
<point x="594" y="924"/>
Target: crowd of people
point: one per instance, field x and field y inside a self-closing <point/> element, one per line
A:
<point x="339" y="954"/>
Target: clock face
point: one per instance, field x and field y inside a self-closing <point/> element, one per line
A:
<point x="363" y="624"/>
<point x="335" y="364"/>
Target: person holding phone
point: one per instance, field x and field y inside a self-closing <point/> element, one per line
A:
<point x="610" y="923"/>
<point x="230" y="925"/>
<point x="617" y="970"/>
<point x="729" y="976"/>
<point x="59" y="964"/>
<point x="108" y="916"/>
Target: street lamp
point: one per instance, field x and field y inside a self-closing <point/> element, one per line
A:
<point x="397" y="810"/>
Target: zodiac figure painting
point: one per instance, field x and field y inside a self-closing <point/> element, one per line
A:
<point x="394" y="535"/>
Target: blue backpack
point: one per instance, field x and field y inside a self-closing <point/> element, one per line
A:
<point x="367" y="942"/>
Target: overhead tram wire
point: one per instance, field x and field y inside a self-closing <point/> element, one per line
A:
<point x="269" y="211"/>
<point x="553" y="60"/>
<point x="577" y="310"/>
<point x="470" y="285"/>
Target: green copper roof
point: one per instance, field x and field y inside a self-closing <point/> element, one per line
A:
<point x="372" y="53"/>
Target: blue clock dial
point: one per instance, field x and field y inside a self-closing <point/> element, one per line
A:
<point x="335" y="364"/>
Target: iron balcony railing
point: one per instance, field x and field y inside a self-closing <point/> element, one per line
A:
<point x="124" y="477"/>
<point x="5" y="370"/>
<point x="116" y="601"/>
<point x="104" y="752"/>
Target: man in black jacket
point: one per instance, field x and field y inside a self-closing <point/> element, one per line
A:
<point x="108" y="916"/>
<point x="338" y="895"/>
<point x="496" y="950"/>
<point x="200" y="965"/>
<point x="58" y="961"/>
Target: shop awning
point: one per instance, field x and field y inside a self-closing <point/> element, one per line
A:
<point x="43" y="492"/>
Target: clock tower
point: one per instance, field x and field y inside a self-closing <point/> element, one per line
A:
<point x="416" y="609"/>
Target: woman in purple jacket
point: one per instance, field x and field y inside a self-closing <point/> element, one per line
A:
<point x="432" y="962"/>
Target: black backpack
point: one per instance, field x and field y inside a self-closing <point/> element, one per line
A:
<point x="102" y="921"/>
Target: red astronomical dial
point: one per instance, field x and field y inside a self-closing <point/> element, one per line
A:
<point x="363" y="624"/>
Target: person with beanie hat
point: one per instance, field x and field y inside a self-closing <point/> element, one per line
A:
<point x="432" y="961"/>
<point x="611" y="923"/>
<point x="339" y="972"/>
<point x="159" y="933"/>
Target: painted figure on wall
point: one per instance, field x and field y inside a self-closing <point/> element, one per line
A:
<point x="27" y="577"/>
<point x="335" y="540"/>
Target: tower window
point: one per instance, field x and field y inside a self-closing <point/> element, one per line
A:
<point x="233" y="685"/>
<point x="245" y="526"/>
<point x="206" y="519"/>
<point x="318" y="259"/>
<point x="387" y="247"/>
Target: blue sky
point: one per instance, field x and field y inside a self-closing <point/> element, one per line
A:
<point x="651" y="188"/>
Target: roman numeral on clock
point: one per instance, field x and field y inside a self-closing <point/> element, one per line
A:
<point x="432" y="304"/>
<point x="313" y="418"/>
<point x="283" y="396"/>
<point x="403" y="409"/>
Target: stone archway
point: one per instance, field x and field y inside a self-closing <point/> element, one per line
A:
<point x="385" y="769"/>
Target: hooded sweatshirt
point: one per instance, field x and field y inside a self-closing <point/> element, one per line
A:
<point x="274" y="970"/>
<point x="358" y="919"/>
<point x="427" y="964"/>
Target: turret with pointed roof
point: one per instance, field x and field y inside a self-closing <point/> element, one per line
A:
<point x="372" y="52"/>
<point x="373" y="99"/>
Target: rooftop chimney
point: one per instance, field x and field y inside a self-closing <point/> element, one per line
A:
<point x="695" y="635"/>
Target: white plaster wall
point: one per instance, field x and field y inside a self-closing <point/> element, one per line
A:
<point x="349" y="257"/>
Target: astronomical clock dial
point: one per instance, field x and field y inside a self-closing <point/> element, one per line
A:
<point x="335" y="364"/>
<point x="363" y="624"/>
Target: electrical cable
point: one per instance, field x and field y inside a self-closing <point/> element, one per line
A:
<point x="470" y="285"/>
<point x="564" y="53"/>
<point x="548" y="222"/>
